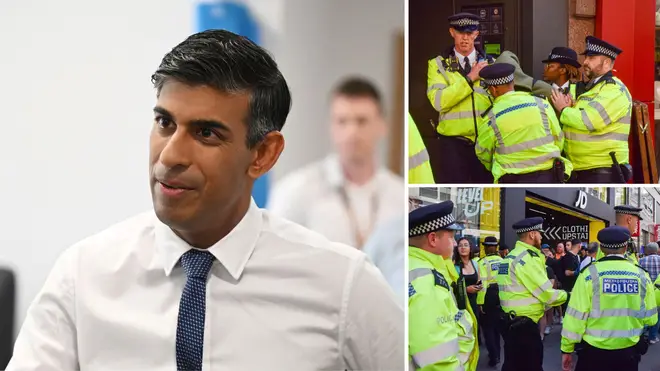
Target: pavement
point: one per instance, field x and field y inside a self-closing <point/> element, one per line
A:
<point x="552" y="355"/>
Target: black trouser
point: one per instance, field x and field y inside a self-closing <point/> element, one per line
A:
<point x="459" y="163"/>
<point x="491" y="335"/>
<point x="602" y="175"/>
<point x="523" y="347"/>
<point x="537" y="177"/>
<point x="590" y="358"/>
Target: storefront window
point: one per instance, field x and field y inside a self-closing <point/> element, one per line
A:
<point x="478" y="211"/>
<point x="620" y="196"/>
<point x="599" y="192"/>
<point x="633" y="196"/>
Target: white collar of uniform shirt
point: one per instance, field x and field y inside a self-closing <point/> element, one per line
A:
<point x="233" y="251"/>
<point x="472" y="57"/>
<point x="566" y="84"/>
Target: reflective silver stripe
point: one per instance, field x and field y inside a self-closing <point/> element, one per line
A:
<point x="480" y="90"/>
<point x="596" y="138"/>
<point x="587" y="121"/>
<point x="504" y="150"/>
<point x="496" y="130"/>
<point x="463" y="357"/>
<point x="437" y="86"/>
<point x="479" y="148"/>
<point x="555" y="296"/>
<point x="622" y="312"/>
<point x="625" y="120"/>
<point x="642" y="275"/>
<point x="570" y="335"/>
<point x="595" y="298"/>
<point x="418" y="273"/>
<point x="576" y="313"/>
<point x="541" y="289"/>
<point x="519" y="302"/>
<point x="418" y="159"/>
<point x="435" y="354"/>
<point x="514" y="264"/>
<point x="613" y="333"/>
<point x="456" y="115"/>
<point x="437" y="101"/>
<point x="411" y="365"/>
<point x="544" y="115"/>
<point x="524" y="164"/>
<point x="514" y="289"/>
<point x="441" y="69"/>
<point x="601" y="111"/>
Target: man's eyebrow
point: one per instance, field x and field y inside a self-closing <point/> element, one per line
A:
<point x="198" y="122"/>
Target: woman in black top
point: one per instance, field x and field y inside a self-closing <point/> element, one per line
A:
<point x="466" y="267"/>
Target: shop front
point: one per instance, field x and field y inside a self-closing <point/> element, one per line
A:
<point x="568" y="213"/>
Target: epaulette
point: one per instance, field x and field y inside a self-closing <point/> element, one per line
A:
<point x="487" y="111"/>
<point x="533" y="253"/>
<point x="411" y="290"/>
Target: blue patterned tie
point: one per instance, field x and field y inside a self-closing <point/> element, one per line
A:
<point x="192" y="310"/>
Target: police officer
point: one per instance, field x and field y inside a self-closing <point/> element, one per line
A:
<point x="628" y="217"/>
<point x="519" y="138"/>
<point x="488" y="299"/>
<point x="613" y="299"/>
<point x="525" y="292"/>
<point x="562" y="70"/>
<point x="455" y="92"/>
<point x="419" y="166"/>
<point x="441" y="325"/>
<point x="597" y="124"/>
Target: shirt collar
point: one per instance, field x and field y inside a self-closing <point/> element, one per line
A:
<point x="233" y="251"/>
<point x="335" y="175"/>
<point x="472" y="56"/>
<point x="566" y="84"/>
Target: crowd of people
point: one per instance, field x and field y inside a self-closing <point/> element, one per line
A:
<point x="601" y="294"/>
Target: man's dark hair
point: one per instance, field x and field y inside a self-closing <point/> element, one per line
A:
<point x="576" y="241"/>
<point x="358" y="87"/>
<point x="231" y="63"/>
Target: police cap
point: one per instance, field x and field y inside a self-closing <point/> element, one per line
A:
<point x="613" y="238"/>
<point x="490" y="241"/>
<point x="432" y="218"/>
<point x="464" y="22"/>
<point x="596" y="46"/>
<point x="497" y="74"/>
<point x="528" y="225"/>
<point x="627" y="209"/>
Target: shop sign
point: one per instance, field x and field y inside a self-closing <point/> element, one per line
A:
<point x="656" y="229"/>
<point x="567" y="232"/>
<point x="472" y="199"/>
<point x="581" y="202"/>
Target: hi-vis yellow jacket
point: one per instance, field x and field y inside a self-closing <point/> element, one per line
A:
<point x="458" y="100"/>
<point x="657" y="291"/>
<point x="419" y="165"/>
<point x="611" y="302"/>
<point x="524" y="285"/>
<point x="488" y="267"/>
<point x="440" y="336"/>
<point x="598" y="123"/>
<point x="520" y="134"/>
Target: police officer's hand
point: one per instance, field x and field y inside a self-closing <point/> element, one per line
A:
<point x="566" y="362"/>
<point x="476" y="68"/>
<point x="560" y="100"/>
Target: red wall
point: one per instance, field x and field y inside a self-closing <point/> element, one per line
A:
<point x="630" y="25"/>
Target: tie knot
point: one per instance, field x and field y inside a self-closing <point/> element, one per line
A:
<point x="197" y="264"/>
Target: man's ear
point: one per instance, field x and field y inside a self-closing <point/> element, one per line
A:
<point x="265" y="154"/>
<point x="452" y="32"/>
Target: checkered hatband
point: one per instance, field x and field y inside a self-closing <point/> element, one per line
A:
<point x="432" y="225"/>
<point x="614" y="246"/>
<point x="499" y="81"/>
<point x="464" y="22"/>
<point x="557" y="56"/>
<point x="537" y="227"/>
<point x="601" y="50"/>
<point x="629" y="212"/>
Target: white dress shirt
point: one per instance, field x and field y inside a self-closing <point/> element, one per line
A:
<point x="312" y="197"/>
<point x="566" y="85"/>
<point x="279" y="297"/>
<point x="461" y="58"/>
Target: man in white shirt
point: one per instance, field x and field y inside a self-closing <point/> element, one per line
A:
<point x="208" y="281"/>
<point x="345" y="195"/>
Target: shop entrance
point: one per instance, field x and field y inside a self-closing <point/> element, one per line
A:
<point x="561" y="224"/>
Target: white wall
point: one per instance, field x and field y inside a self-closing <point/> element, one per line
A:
<point x="76" y="105"/>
